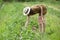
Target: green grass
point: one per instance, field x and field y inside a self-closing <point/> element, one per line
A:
<point x="12" y="22"/>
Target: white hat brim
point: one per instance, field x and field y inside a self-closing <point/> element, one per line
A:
<point x="25" y="9"/>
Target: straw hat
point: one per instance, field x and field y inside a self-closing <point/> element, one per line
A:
<point x="26" y="10"/>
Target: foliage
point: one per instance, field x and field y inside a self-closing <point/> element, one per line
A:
<point x="29" y="0"/>
<point x="12" y="22"/>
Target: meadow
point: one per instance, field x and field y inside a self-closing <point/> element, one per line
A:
<point x="12" y="22"/>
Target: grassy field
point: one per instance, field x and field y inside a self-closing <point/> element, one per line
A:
<point x="12" y="22"/>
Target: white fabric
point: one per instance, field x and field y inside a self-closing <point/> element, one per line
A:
<point x="25" y="9"/>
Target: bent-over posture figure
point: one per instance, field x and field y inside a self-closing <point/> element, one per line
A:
<point x="36" y="9"/>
